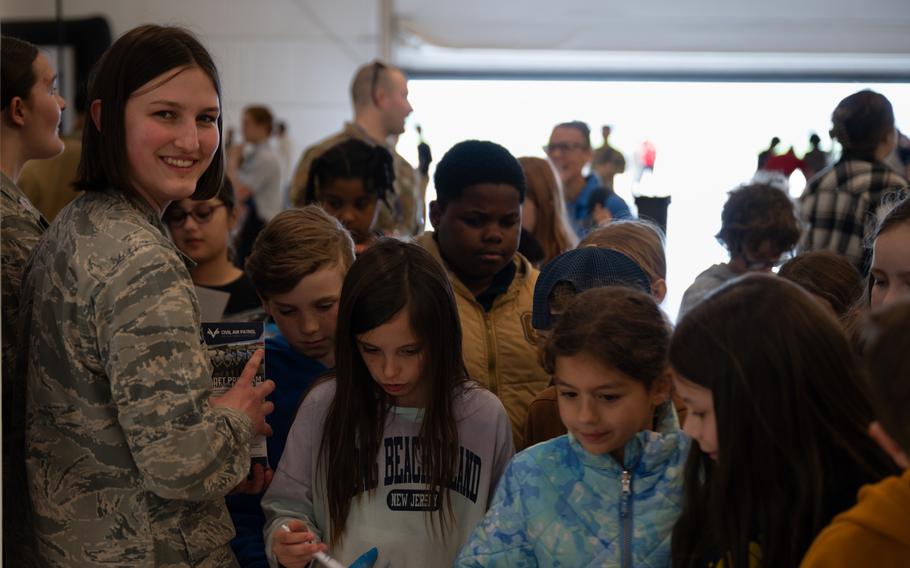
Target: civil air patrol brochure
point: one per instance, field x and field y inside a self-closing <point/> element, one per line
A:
<point x="229" y="346"/>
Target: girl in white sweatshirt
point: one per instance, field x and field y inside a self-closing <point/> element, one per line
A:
<point x="399" y="450"/>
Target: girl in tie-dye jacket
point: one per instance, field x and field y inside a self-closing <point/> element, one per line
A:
<point x="608" y="492"/>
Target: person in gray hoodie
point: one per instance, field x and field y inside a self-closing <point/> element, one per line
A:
<point x="399" y="450"/>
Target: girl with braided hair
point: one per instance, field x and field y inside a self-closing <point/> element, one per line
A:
<point x="348" y="181"/>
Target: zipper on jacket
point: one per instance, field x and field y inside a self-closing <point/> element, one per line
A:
<point x="493" y="379"/>
<point x="625" y="513"/>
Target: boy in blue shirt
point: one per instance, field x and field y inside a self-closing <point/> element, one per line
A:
<point x="297" y="265"/>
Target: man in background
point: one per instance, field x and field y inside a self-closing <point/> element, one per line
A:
<point x="379" y="94"/>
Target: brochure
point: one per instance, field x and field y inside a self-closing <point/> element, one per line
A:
<point x="229" y="346"/>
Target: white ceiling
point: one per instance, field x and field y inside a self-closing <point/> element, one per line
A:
<point x="856" y="26"/>
<point x="551" y="35"/>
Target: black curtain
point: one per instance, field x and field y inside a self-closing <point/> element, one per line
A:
<point x="88" y="37"/>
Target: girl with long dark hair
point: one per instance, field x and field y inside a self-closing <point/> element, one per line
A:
<point x="399" y="449"/>
<point x="778" y="415"/>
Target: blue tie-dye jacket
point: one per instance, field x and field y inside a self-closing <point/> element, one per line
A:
<point x="558" y="505"/>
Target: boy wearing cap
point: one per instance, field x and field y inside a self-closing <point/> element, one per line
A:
<point x="477" y="220"/>
<point x="560" y="281"/>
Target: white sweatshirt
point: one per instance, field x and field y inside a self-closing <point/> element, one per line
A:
<point x="395" y="518"/>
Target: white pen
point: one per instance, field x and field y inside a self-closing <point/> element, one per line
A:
<point x="322" y="557"/>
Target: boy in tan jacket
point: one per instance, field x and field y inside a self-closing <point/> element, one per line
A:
<point x="477" y="220"/>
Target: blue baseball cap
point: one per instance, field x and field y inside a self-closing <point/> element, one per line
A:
<point x="584" y="268"/>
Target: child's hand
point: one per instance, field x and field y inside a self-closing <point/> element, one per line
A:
<point x="296" y="546"/>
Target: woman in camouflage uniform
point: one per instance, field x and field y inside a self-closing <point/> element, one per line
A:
<point x="128" y="457"/>
<point x="31" y="111"/>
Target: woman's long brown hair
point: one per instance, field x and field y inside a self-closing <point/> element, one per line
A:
<point x="552" y="230"/>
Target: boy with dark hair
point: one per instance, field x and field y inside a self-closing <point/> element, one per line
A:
<point x="477" y="220"/>
<point x="758" y="225"/>
<point x="874" y="532"/>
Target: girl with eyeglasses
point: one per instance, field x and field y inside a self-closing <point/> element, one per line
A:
<point x="202" y="231"/>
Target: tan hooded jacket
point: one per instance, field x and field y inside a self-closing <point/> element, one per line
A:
<point x="500" y="346"/>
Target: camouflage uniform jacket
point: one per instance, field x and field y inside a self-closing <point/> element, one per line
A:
<point x="128" y="462"/>
<point x="404" y="214"/>
<point x="22" y="226"/>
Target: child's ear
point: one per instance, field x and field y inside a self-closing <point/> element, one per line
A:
<point x="660" y="388"/>
<point x="232" y="219"/>
<point x="95" y="111"/>
<point x="265" y="306"/>
<point x="659" y="290"/>
<point x="435" y="214"/>
<point x="887" y="443"/>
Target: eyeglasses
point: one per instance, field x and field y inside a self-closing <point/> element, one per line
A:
<point x="176" y="216"/>
<point x="563" y="147"/>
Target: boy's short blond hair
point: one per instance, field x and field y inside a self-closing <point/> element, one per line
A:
<point x="295" y="244"/>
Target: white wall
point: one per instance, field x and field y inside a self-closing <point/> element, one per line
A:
<point x="295" y="56"/>
<point x="707" y="137"/>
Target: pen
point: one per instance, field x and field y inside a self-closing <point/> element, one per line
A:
<point x="322" y="557"/>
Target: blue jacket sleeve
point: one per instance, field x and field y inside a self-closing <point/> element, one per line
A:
<point x="618" y="207"/>
<point x="502" y="539"/>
